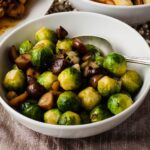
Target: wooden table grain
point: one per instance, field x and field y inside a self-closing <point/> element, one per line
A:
<point x="133" y="134"/>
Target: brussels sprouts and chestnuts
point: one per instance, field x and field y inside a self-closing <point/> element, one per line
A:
<point x="61" y="80"/>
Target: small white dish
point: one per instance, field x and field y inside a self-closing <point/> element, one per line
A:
<point x="135" y="14"/>
<point x="36" y="8"/>
<point x="123" y="38"/>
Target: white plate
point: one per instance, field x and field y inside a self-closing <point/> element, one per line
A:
<point x="36" y="9"/>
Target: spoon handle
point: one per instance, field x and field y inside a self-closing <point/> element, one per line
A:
<point x="138" y="60"/>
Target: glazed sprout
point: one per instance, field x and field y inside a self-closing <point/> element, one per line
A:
<point x="115" y="63"/>
<point x="89" y="98"/>
<point x="91" y="48"/>
<point x="64" y="45"/>
<point x="70" y="79"/>
<point x="45" y="44"/>
<point x="68" y="101"/>
<point x="69" y="118"/>
<point x="119" y="102"/>
<point x="98" y="59"/>
<point x="14" y="80"/>
<point x="25" y="47"/>
<point x="85" y="117"/>
<point x="99" y="113"/>
<point x="42" y="54"/>
<point x="45" y="34"/>
<point x="46" y="79"/>
<point x="52" y="116"/>
<point x="31" y="110"/>
<point x="131" y="81"/>
<point x="108" y="86"/>
<point x="15" y="66"/>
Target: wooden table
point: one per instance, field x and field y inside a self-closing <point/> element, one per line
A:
<point x="133" y="134"/>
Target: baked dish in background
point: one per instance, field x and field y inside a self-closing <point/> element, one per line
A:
<point x="12" y="8"/>
<point x="123" y="2"/>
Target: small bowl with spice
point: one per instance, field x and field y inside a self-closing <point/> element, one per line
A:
<point x="129" y="11"/>
<point x="56" y="80"/>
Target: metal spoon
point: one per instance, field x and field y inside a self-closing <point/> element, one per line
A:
<point x="106" y="48"/>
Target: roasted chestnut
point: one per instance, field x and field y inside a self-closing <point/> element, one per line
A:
<point x="59" y="65"/>
<point x="35" y="90"/>
<point x="61" y="33"/>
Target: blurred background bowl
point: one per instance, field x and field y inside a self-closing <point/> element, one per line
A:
<point x="135" y="14"/>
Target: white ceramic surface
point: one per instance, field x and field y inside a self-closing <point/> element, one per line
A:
<point x="37" y="8"/>
<point x="136" y="14"/>
<point x="124" y="40"/>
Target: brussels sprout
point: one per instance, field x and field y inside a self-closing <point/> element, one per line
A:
<point x="52" y="116"/>
<point x="98" y="59"/>
<point x="31" y="110"/>
<point x="25" y="47"/>
<point x="85" y="117"/>
<point x="46" y="79"/>
<point x="65" y="45"/>
<point x="68" y="101"/>
<point x="93" y="49"/>
<point x="131" y="81"/>
<point x="107" y="86"/>
<point x="42" y="53"/>
<point x="45" y="44"/>
<point x="115" y="63"/>
<point x="99" y="113"/>
<point x="45" y="33"/>
<point x="15" y="66"/>
<point x="14" y="80"/>
<point x="119" y="102"/>
<point x="70" y="118"/>
<point x="70" y="79"/>
<point x="89" y="98"/>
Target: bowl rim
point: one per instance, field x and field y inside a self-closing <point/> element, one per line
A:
<point x="81" y="126"/>
<point x="93" y="3"/>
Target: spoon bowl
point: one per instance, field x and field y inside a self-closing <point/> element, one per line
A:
<point x="105" y="47"/>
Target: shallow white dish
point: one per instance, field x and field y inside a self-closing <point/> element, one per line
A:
<point x="124" y="40"/>
<point x="36" y="8"/>
<point x="136" y="14"/>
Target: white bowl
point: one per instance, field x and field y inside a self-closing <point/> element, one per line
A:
<point x="136" y="14"/>
<point x="123" y="38"/>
